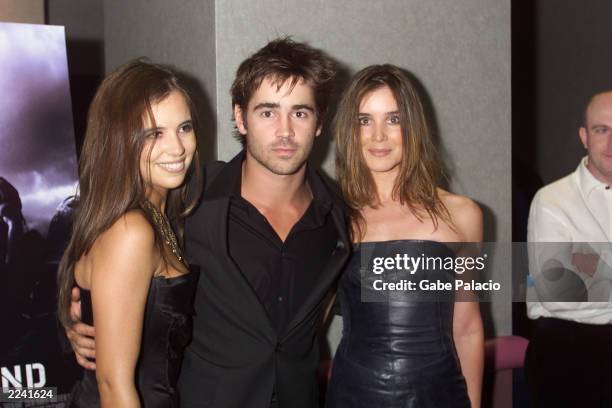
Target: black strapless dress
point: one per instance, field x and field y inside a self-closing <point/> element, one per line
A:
<point x="167" y="329"/>
<point x="395" y="354"/>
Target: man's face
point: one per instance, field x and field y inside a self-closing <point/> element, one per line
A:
<point x="596" y="136"/>
<point x="280" y="125"/>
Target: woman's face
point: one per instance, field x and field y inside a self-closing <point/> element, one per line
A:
<point x="380" y="131"/>
<point x="172" y="143"/>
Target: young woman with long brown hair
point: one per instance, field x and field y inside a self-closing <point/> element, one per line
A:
<point x="136" y="288"/>
<point x="400" y="354"/>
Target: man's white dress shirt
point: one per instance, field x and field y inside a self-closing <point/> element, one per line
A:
<point x="574" y="212"/>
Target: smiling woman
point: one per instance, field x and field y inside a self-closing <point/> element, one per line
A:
<point x="133" y="281"/>
<point x="169" y="145"/>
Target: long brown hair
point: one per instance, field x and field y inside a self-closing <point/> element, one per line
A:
<point x="110" y="182"/>
<point x="420" y="170"/>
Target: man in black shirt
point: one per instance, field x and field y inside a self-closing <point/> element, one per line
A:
<point x="282" y="272"/>
<point x="270" y="239"/>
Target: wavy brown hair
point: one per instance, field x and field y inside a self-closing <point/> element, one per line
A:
<point x="110" y="182"/>
<point x="420" y="170"/>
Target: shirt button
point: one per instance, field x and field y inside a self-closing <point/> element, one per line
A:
<point x="280" y="298"/>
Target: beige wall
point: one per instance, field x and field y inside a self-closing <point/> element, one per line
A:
<point x="23" y="11"/>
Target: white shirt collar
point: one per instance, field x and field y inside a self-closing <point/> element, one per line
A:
<point x="586" y="181"/>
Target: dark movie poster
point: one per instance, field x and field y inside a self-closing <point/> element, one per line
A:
<point x="38" y="172"/>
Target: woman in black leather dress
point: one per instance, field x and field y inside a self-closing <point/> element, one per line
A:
<point x="400" y="352"/>
<point x="135" y="287"/>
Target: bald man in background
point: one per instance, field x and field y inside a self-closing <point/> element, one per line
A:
<point x="569" y="359"/>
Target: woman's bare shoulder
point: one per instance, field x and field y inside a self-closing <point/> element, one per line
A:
<point x="132" y="228"/>
<point x="130" y="239"/>
<point x="465" y="214"/>
<point x="462" y="205"/>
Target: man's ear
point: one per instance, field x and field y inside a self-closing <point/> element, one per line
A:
<point x="239" y="119"/>
<point x="583" y="136"/>
<point x="318" y="132"/>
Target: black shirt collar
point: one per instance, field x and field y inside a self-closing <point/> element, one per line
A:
<point x="228" y="183"/>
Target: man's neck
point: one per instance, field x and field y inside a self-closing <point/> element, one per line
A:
<point x="597" y="174"/>
<point x="263" y="188"/>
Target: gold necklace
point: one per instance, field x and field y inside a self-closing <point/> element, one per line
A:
<point x="164" y="228"/>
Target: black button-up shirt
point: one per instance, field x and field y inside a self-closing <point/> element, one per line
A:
<point x="282" y="274"/>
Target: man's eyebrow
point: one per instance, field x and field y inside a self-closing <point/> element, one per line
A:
<point x="599" y="125"/>
<point x="266" y="105"/>
<point x="303" y="106"/>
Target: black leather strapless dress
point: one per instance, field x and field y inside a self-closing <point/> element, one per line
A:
<point x="395" y="354"/>
<point x="166" y="332"/>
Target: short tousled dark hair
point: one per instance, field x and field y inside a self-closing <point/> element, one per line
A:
<point x="284" y="59"/>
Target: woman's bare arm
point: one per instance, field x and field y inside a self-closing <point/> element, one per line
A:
<point x="468" y="330"/>
<point x="123" y="265"/>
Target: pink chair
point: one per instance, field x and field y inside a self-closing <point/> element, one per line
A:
<point x="502" y="355"/>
